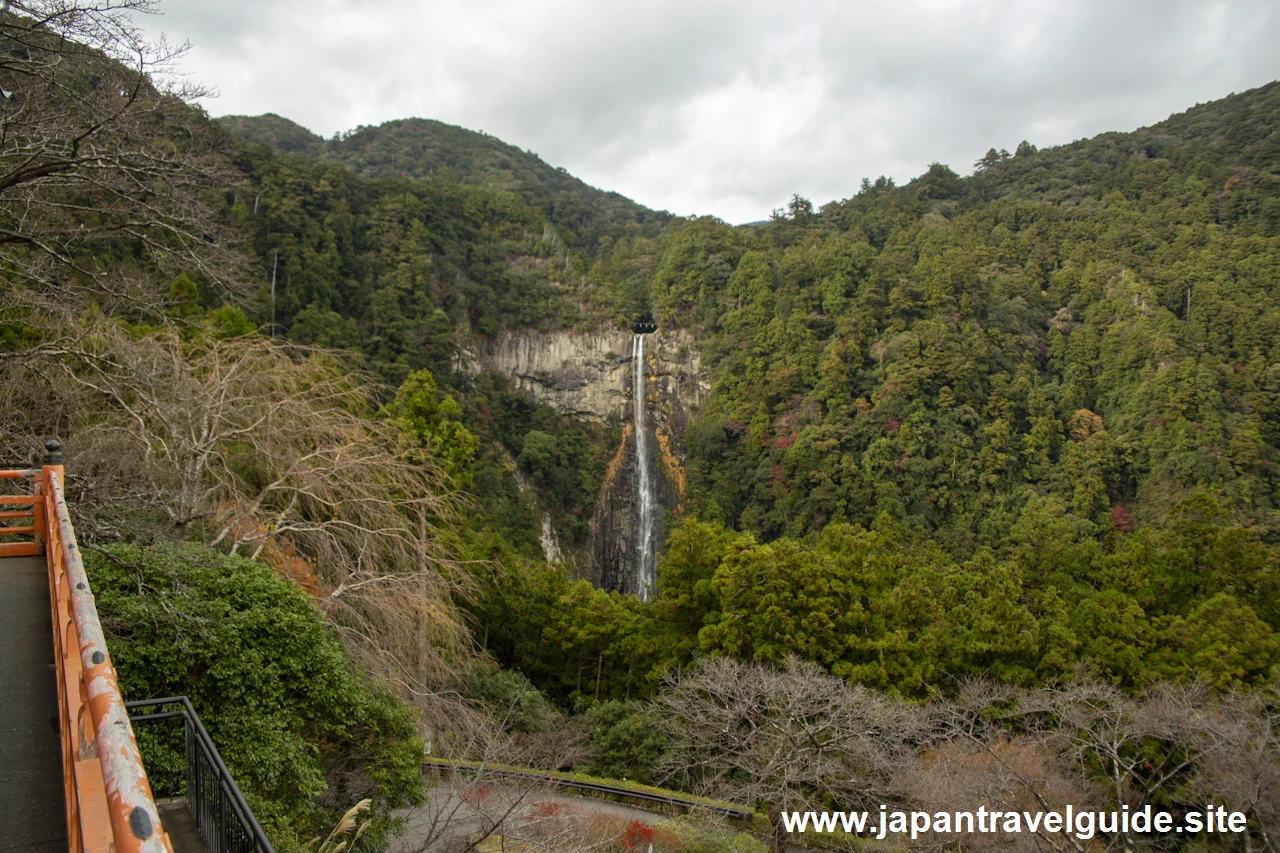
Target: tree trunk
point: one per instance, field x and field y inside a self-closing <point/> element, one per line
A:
<point x="777" y="833"/>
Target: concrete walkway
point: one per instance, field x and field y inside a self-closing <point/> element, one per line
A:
<point x="180" y="826"/>
<point x="32" y="816"/>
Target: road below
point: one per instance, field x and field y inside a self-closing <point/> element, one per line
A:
<point x="527" y="812"/>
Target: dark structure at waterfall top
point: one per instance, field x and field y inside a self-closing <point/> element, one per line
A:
<point x="644" y="328"/>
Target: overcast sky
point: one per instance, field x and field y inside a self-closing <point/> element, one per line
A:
<point x="728" y="108"/>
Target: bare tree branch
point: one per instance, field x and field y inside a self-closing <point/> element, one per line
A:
<point x="103" y="164"/>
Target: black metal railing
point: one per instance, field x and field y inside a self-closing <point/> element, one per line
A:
<point x="222" y="817"/>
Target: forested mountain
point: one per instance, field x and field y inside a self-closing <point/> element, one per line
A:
<point x="395" y="267"/>
<point x="1095" y="322"/>
<point x="1044" y="396"/>
<point x="982" y="458"/>
<point x="392" y="239"/>
<point x="420" y="148"/>
<point x="1021" y="379"/>
<point x="275" y="132"/>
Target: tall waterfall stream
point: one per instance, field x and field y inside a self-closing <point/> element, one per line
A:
<point x="644" y="486"/>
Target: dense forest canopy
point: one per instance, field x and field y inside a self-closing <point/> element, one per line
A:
<point x="983" y="457"/>
<point x="419" y="148"/>
<point x="1049" y="388"/>
<point x="1037" y="385"/>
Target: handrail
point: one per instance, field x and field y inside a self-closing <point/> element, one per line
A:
<point x="10" y="511"/>
<point x="210" y="816"/>
<point x="108" y="801"/>
<point x="135" y="820"/>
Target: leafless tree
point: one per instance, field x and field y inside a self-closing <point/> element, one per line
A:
<point x="269" y="450"/>
<point x="973" y="756"/>
<point x="474" y="805"/>
<point x="99" y="151"/>
<point x="476" y="799"/>
<point x="1010" y="775"/>
<point x="1138" y="750"/>
<point x="1173" y="743"/>
<point x="1244" y="772"/>
<point x="783" y="739"/>
<point x="1095" y="747"/>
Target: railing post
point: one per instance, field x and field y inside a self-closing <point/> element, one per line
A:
<point x="44" y="515"/>
<point x="193" y="798"/>
<point x="53" y="457"/>
<point x="39" y="512"/>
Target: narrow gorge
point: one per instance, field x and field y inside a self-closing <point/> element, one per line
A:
<point x="648" y="382"/>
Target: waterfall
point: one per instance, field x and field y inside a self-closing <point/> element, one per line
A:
<point x="644" y="488"/>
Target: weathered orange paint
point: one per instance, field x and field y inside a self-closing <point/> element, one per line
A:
<point x="130" y="808"/>
<point x="21" y="549"/>
<point x="109" y="805"/>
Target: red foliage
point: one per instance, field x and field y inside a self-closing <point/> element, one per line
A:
<point x="777" y="477"/>
<point x="549" y="809"/>
<point x="893" y="425"/>
<point x="785" y="441"/>
<point x="638" y="836"/>
<point x="285" y="560"/>
<point x="476" y="794"/>
<point x="1120" y="519"/>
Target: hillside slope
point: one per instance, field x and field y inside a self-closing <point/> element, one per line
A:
<point x="274" y="131"/>
<point x="1016" y="425"/>
<point x="1095" y="325"/>
<point x="419" y="148"/>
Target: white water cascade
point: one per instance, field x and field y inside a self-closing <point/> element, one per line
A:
<point x="644" y="486"/>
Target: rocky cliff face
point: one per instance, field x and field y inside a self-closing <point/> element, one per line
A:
<point x="589" y="374"/>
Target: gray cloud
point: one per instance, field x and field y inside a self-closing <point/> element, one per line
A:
<point x="729" y="106"/>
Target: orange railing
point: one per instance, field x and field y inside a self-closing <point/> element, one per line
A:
<point x="109" y="805"/>
<point x="33" y="514"/>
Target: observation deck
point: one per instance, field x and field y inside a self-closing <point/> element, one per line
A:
<point x="71" y="775"/>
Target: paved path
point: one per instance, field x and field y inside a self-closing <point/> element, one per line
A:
<point x="32" y="818"/>
<point x="180" y="826"/>
<point x="447" y="815"/>
<point x="451" y="813"/>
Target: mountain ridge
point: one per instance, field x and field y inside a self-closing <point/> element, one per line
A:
<point x="418" y="148"/>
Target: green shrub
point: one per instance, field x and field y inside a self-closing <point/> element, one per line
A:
<point x="625" y="741"/>
<point x="303" y="733"/>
